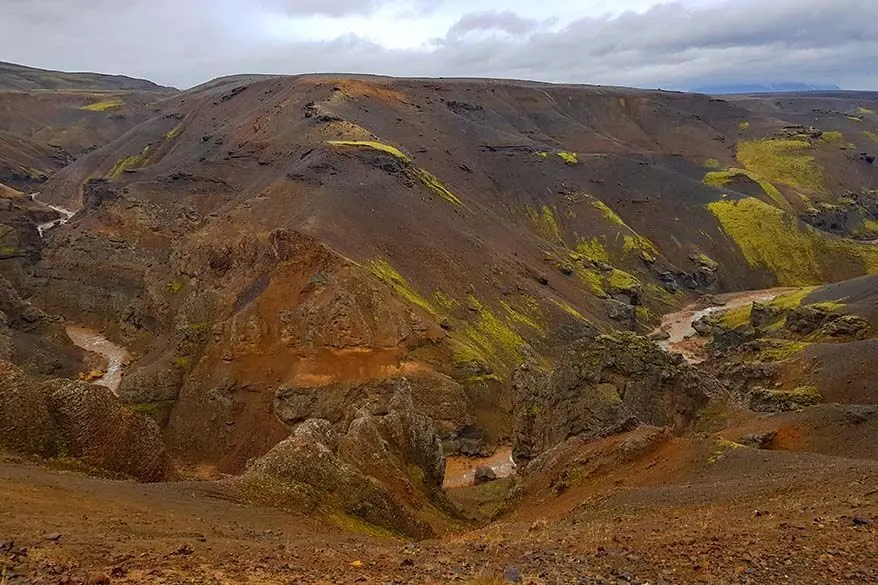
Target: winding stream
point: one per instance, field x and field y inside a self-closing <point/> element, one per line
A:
<point x="683" y="338"/>
<point x="66" y="214"/>
<point x="117" y="356"/>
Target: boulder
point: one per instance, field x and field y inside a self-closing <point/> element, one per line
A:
<point x="599" y="383"/>
<point x="808" y="319"/>
<point x="846" y="326"/>
<point x="484" y="475"/>
<point x="765" y="400"/>
<point x="762" y="315"/>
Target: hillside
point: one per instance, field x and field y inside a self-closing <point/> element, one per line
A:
<point x="325" y="286"/>
<point x="49" y="118"/>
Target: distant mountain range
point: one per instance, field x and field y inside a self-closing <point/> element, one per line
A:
<point x="782" y="87"/>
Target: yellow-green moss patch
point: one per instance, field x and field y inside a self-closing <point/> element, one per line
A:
<point x="429" y="180"/>
<point x="608" y="212"/>
<point x="546" y="222"/>
<point x="832" y="137"/>
<point x="621" y="280"/>
<point x="784" y="161"/>
<point x="487" y="340"/>
<point x="871" y="136"/>
<point x="591" y="249"/>
<point x="103" y="105"/>
<point x="387" y="273"/>
<point x="795" y="253"/>
<point x="778" y="350"/>
<point x="720" y="179"/>
<point x="712" y="163"/>
<point x="569" y="310"/>
<point x="569" y="157"/>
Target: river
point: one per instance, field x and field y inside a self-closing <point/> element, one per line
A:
<point x="683" y="338"/>
<point x="461" y="471"/>
<point x="117" y="356"/>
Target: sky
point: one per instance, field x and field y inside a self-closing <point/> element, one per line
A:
<point x="681" y="44"/>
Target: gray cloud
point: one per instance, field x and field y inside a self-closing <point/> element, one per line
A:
<point x="669" y="46"/>
<point x="492" y="20"/>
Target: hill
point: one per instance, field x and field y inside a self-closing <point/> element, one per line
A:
<point x="19" y="77"/>
<point x="49" y="118"/>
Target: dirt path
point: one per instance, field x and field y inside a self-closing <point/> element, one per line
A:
<point x="683" y="338"/>
<point x="116" y="355"/>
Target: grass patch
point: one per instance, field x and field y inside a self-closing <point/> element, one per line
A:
<point x="786" y="162"/>
<point x="103" y="105"/>
<point x="779" y="350"/>
<point x="795" y="253"/>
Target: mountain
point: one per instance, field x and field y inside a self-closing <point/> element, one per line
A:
<point x="339" y="294"/>
<point x="783" y="87"/>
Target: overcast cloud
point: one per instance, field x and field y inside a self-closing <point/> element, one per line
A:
<point x="645" y="43"/>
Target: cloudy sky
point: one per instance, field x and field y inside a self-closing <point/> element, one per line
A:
<point x="647" y="43"/>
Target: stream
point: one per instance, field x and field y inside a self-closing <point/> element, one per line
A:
<point x="683" y="338"/>
<point x="66" y="214"/>
<point x="461" y="471"/>
<point x="116" y="355"/>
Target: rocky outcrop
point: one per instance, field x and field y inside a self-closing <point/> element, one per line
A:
<point x="601" y="382"/>
<point x="69" y="419"/>
<point x="764" y="400"/>
<point x="381" y="468"/>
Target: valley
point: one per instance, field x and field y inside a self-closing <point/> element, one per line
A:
<point x="359" y="329"/>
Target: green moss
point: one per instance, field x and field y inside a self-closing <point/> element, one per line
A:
<point x="436" y="186"/>
<point x="720" y="179"/>
<point x="528" y="315"/>
<point x="786" y="162"/>
<point x="489" y="337"/>
<point x="8" y="250"/>
<point x="129" y="163"/>
<point x="147" y="408"/>
<point x="865" y="111"/>
<point x="174" y="287"/>
<point x="778" y="350"/>
<point x="592" y="280"/>
<point x="569" y="310"/>
<point x="621" y="280"/>
<point x="568" y="157"/>
<point x="356" y="526"/>
<point x="608" y="213"/>
<point x="871" y="226"/>
<point x="736" y="317"/>
<point x="871" y="136"/>
<point x="387" y="273"/>
<point x="546" y="223"/>
<point x="593" y="250"/>
<point x="184" y="363"/>
<point x="103" y="105"/>
<point x="832" y="137"/>
<point x="791" y="300"/>
<point x="174" y="132"/>
<point x="444" y="302"/>
<point x="429" y="180"/>
<point x="743" y="125"/>
<point x="712" y="163"/>
<point x="635" y="243"/>
<point x="705" y="260"/>
<point x="795" y="253"/>
<point x="543" y="154"/>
